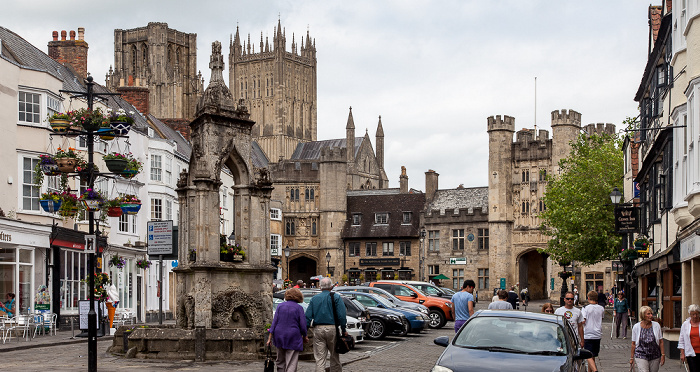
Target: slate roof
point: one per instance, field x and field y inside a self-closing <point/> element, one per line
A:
<point x="258" y="156"/>
<point x="16" y="50"/>
<point x="460" y="198"/>
<point x="369" y="203"/>
<point x="182" y="148"/>
<point x="312" y="150"/>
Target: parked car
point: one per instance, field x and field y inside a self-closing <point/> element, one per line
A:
<point x="498" y="340"/>
<point x="416" y="320"/>
<point x="382" y="322"/>
<point x="380" y="292"/>
<point x="440" y="309"/>
<point x="428" y="288"/>
<point x="355" y="327"/>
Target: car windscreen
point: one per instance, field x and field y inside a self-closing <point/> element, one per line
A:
<point x="430" y="290"/>
<point x="513" y="335"/>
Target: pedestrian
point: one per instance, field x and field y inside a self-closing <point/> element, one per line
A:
<point x="495" y="295"/>
<point x="524" y="296"/>
<point x="288" y="331"/>
<point x="513" y="297"/>
<point x="613" y="290"/>
<point x="319" y="316"/>
<point x="9" y="306"/>
<point x="463" y="304"/>
<point x="602" y="298"/>
<point x="548" y="308"/>
<point x="573" y="315"/>
<point x="501" y="303"/>
<point x="647" y="345"/>
<point x="621" y="315"/>
<point x="689" y="341"/>
<point x="592" y="328"/>
<point x="300" y="283"/>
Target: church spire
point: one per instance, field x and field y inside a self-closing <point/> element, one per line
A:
<point x="380" y="144"/>
<point x="350" y="138"/>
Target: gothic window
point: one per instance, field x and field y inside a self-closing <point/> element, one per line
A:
<point x="526" y="175"/>
<point x="294" y="194"/>
<point x="178" y="56"/>
<point x="134" y="59"/>
<point x="144" y="51"/>
<point x="289" y="227"/>
<point x="543" y="174"/>
<point x="309" y="194"/>
<point x="525" y="209"/>
<point x="314" y="226"/>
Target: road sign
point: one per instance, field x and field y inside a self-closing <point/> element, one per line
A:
<point x="160" y="237"/>
<point x="458" y="261"/>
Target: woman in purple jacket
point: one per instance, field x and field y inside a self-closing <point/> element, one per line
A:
<point x="288" y="331"/>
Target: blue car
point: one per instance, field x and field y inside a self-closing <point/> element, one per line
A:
<point x="417" y="321"/>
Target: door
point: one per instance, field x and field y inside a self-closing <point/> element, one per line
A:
<point x="139" y="301"/>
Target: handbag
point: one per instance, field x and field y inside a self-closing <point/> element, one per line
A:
<point x="269" y="362"/>
<point x="343" y="344"/>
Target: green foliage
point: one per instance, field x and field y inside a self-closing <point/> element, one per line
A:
<point x="579" y="214"/>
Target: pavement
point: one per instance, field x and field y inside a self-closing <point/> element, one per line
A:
<point x="414" y="352"/>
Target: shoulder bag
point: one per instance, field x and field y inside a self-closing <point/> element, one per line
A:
<point x="343" y="344"/>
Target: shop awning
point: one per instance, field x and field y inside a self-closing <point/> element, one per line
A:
<point x="660" y="260"/>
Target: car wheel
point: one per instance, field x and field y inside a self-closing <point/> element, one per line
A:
<point x="376" y="329"/>
<point x="437" y="319"/>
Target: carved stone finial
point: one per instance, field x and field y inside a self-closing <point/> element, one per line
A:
<point x="216" y="63"/>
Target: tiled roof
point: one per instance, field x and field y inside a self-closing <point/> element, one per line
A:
<point x="469" y="198"/>
<point x="369" y="203"/>
<point x="312" y="150"/>
<point x="183" y="147"/>
<point x="258" y="156"/>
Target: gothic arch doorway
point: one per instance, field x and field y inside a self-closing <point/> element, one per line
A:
<point x="302" y="268"/>
<point x="533" y="273"/>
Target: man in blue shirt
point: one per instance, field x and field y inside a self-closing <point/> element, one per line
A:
<point x="463" y="304"/>
<point x="319" y="316"/>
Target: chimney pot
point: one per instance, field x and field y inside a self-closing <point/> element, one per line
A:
<point x="72" y="34"/>
<point x="63" y="35"/>
<point x="55" y="35"/>
<point x="81" y="33"/>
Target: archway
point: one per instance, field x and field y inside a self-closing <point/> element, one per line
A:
<point x="302" y="268"/>
<point x="533" y="273"/>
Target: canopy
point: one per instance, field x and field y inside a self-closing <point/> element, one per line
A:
<point x="317" y="277"/>
<point x="440" y="277"/>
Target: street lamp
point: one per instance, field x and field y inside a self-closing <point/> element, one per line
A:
<point x="287" y="251"/>
<point x="328" y="263"/>
<point x="615" y="196"/>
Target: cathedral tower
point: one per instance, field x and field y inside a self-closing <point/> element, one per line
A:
<point x="162" y="60"/>
<point x="280" y="87"/>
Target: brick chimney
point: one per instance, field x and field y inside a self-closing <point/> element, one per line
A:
<point x="137" y="96"/>
<point x="403" y="181"/>
<point x="70" y="53"/>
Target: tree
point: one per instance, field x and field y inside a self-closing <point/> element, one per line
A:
<point x="578" y="212"/>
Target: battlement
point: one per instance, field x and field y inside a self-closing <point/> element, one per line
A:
<point x="600" y="128"/>
<point x="565" y="117"/>
<point x="448" y="215"/>
<point x="333" y="154"/>
<point x="506" y="123"/>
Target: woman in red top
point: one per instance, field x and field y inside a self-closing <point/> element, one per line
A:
<point x="689" y="341"/>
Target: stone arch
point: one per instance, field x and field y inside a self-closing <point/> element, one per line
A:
<point x="532" y="272"/>
<point x="302" y="266"/>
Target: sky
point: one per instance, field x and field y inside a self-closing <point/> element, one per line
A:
<point x="434" y="70"/>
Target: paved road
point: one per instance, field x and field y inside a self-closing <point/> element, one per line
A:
<point x="410" y="353"/>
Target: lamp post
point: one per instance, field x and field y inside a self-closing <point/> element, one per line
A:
<point x="232" y="238"/>
<point x="328" y="263"/>
<point x="287" y="251"/>
<point x="421" y="270"/>
<point x="616" y="198"/>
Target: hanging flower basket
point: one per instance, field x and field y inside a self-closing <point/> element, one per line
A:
<point x="59" y="126"/>
<point x="130" y="204"/>
<point x="116" y="165"/>
<point x="90" y="120"/>
<point x="132" y="168"/>
<point x="642" y="243"/>
<point x="69" y="205"/>
<point x="120" y="121"/>
<point x="117" y="261"/>
<point x="91" y="200"/>
<point x="48" y="165"/>
<point x="114" y="212"/>
<point x="51" y="202"/>
<point x="143" y="264"/>
<point x="67" y="165"/>
<point x="120" y="128"/>
<point x="629" y="254"/>
<point x="105" y="133"/>
<point x="114" y="208"/>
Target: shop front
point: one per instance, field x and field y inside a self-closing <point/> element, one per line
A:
<point x="23" y="248"/>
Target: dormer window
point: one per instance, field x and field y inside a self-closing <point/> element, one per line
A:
<point x="356" y="219"/>
<point x="407" y="216"/>
<point x="381" y="218"/>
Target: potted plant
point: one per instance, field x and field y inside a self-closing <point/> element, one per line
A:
<point x="101" y="280"/>
<point x="51" y="201"/>
<point x="642" y="243"/>
<point x="629" y="254"/>
<point x="143" y="264"/>
<point x="116" y="162"/>
<point x="89" y="120"/>
<point x="92" y="200"/>
<point x="120" y="121"/>
<point x="130" y="204"/>
<point x="60" y="121"/>
<point x="133" y="168"/>
<point x="69" y="205"/>
<point x="48" y="165"/>
<point x="67" y="160"/>
<point x="114" y="207"/>
<point x="117" y="261"/>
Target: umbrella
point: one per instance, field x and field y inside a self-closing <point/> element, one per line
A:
<point x="440" y="277"/>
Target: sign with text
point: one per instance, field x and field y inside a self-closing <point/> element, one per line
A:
<point x="379" y="261"/>
<point x="626" y="219"/>
<point x="458" y="261"/>
<point x="160" y="237"/>
<point x="90" y="243"/>
<point x="84" y="309"/>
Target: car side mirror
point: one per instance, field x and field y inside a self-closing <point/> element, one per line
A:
<point x="414" y="294"/>
<point x="444" y="341"/>
<point x="583" y="354"/>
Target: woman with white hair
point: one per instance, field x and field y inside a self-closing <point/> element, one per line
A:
<point x="689" y="341"/>
<point x="647" y="345"/>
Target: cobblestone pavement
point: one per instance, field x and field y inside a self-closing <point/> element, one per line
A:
<point x="415" y="352"/>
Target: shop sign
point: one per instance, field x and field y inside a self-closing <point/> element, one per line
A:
<point x="688" y="249"/>
<point x="626" y="219"/>
<point x="458" y="261"/>
<point x="5" y="237"/>
<point x="379" y="261"/>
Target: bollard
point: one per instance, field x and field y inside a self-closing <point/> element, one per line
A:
<point x="72" y="329"/>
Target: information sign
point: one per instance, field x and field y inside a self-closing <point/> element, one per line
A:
<point x="160" y="237"/>
<point x="458" y="261"/>
<point x="84" y="309"/>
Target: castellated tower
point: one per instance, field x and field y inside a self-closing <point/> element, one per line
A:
<point x="157" y="66"/>
<point x="566" y="126"/>
<point x="280" y="87"/>
<point x="500" y="211"/>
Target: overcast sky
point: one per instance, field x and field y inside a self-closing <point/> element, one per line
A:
<point x="434" y="70"/>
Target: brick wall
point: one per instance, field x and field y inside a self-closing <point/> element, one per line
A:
<point x="180" y="125"/>
<point x="70" y="53"/>
<point x="137" y="96"/>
